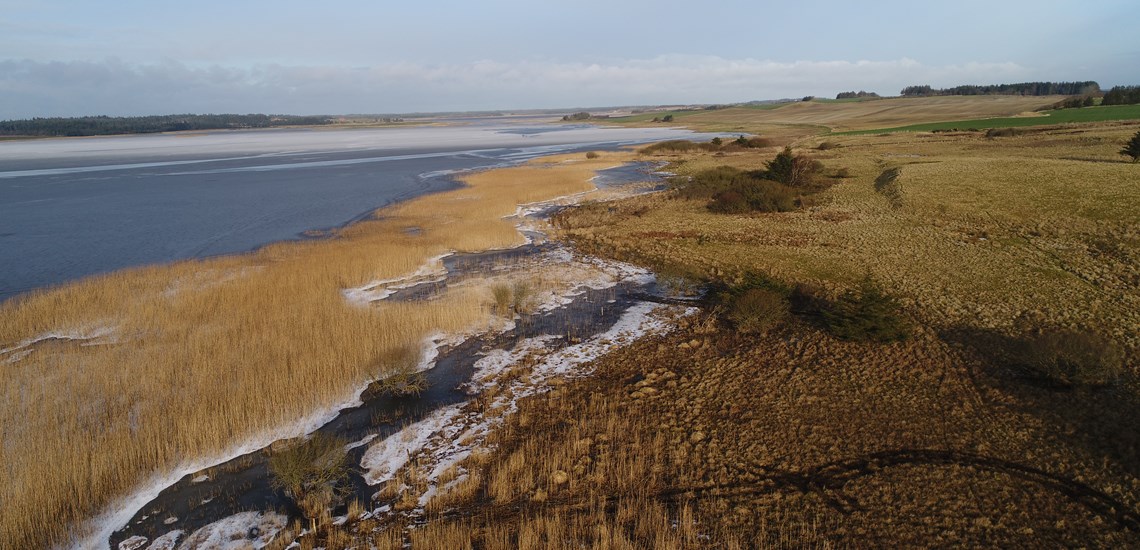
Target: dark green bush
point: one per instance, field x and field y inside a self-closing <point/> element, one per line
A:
<point x="791" y="169"/>
<point x="677" y="146"/>
<point x="732" y="191"/>
<point x="1002" y="132"/>
<point x="1132" y="148"/>
<point x="865" y="313"/>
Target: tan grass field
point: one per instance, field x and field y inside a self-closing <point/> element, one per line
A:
<point x="202" y="355"/>
<point x="793" y="438"/>
<point x="988" y="229"/>
<point x="805" y="118"/>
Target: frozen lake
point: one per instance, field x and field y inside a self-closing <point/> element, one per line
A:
<point x="74" y="207"/>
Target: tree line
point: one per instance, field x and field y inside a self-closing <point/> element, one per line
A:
<point x="106" y="125"/>
<point x="1022" y="88"/>
<point x="853" y="95"/>
<point x="1122" y="95"/>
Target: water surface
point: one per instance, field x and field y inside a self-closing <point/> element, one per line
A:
<point x="75" y="207"/>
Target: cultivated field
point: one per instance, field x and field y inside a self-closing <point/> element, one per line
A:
<point x="814" y="117"/>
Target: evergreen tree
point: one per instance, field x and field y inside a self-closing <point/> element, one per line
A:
<point x="1132" y="148"/>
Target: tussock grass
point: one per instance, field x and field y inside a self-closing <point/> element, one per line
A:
<point x="212" y="352"/>
<point x="989" y="230"/>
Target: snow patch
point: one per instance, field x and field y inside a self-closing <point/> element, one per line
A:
<point x="133" y="543"/>
<point x="382" y="460"/>
<point x="100" y="334"/>
<point x="447" y="437"/>
<point x="433" y="271"/>
<point x="167" y="541"/>
<point x="238" y="532"/>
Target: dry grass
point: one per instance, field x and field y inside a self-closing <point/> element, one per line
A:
<point x="799" y="119"/>
<point x="789" y="437"/>
<point x="986" y="231"/>
<point x="208" y="353"/>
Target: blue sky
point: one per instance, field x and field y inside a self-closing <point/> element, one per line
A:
<point x="124" y="57"/>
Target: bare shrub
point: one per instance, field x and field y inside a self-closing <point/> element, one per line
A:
<point x="501" y="296"/>
<point x="592" y="155"/>
<point x="312" y="473"/>
<point x="523" y="295"/>
<point x="400" y="375"/>
<point x="512" y="299"/>
<point x="757" y="310"/>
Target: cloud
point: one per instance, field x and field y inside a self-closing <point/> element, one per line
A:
<point x="37" y="88"/>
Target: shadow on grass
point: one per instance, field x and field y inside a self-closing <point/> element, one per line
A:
<point x="1103" y="419"/>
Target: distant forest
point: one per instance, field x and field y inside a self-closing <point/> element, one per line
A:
<point x="1022" y="88"/>
<point x="1122" y="95"/>
<point x="104" y="125"/>
<point x="854" y="95"/>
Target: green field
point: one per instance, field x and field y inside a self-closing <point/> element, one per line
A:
<point x="1062" y="116"/>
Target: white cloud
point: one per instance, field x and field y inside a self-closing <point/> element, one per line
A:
<point x="35" y="88"/>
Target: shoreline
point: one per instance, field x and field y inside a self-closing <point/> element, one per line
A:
<point x="114" y="525"/>
<point x="287" y="268"/>
<point x="231" y="196"/>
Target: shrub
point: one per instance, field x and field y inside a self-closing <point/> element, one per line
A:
<point x="509" y="300"/>
<point x="730" y="190"/>
<point x="716" y="141"/>
<point x="522" y="297"/>
<point x="791" y="169"/>
<point x="826" y="146"/>
<point x="592" y="155"/>
<point x="676" y="146"/>
<point x="501" y="296"/>
<point x="757" y="310"/>
<point x="1070" y="358"/>
<point x="667" y="118"/>
<point x="312" y="473"/>
<point x="755" y="142"/>
<point x="1002" y="132"/>
<point x="401" y="381"/>
<point x="1132" y="148"/>
<point x="865" y="314"/>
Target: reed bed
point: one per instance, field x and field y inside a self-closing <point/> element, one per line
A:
<point x="202" y="355"/>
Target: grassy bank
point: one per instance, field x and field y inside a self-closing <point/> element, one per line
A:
<point x="112" y="379"/>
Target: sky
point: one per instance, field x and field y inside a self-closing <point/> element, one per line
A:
<point x="134" y="57"/>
